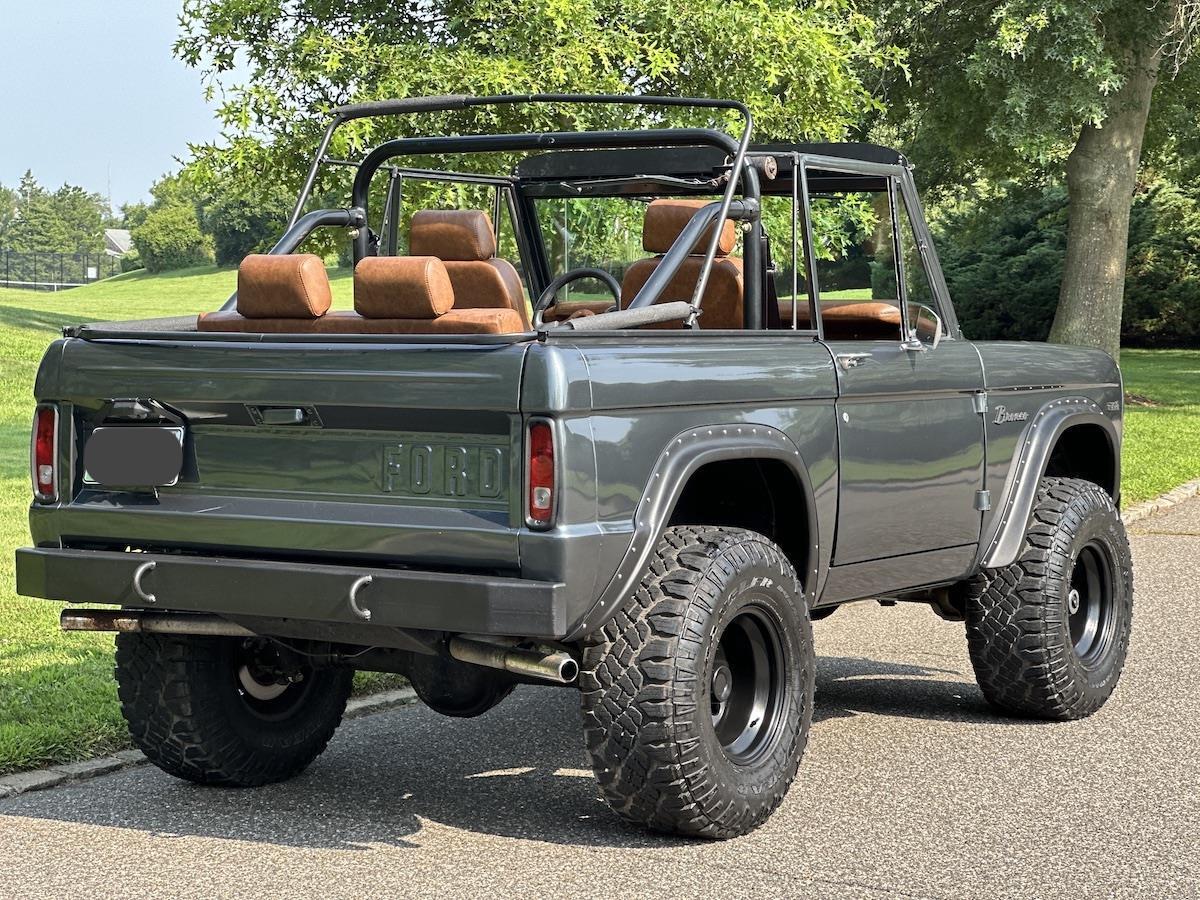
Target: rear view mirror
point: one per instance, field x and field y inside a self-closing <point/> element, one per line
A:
<point x="925" y="325"/>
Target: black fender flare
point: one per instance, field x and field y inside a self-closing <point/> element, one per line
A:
<point x="1001" y="541"/>
<point x="683" y="455"/>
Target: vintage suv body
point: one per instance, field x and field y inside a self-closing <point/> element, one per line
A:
<point x="647" y="495"/>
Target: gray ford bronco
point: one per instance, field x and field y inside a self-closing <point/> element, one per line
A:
<point x="619" y="410"/>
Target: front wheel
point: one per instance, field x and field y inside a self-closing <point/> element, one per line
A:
<point x="1048" y="634"/>
<point x="698" y="696"/>
<point x="226" y="711"/>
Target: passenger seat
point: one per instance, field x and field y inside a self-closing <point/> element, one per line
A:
<point x="464" y="240"/>
<point x="723" y="299"/>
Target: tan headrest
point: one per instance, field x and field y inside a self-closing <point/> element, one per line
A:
<point x="453" y="235"/>
<point x="402" y="287"/>
<point x="666" y="218"/>
<point x="291" y="286"/>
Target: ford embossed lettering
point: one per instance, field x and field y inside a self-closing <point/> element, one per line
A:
<point x="445" y="470"/>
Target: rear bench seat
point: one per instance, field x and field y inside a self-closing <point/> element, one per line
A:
<point x="290" y="294"/>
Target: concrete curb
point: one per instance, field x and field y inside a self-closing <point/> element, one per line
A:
<point x="70" y="773"/>
<point x="1161" y="503"/>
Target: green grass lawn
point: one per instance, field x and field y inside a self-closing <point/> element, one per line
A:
<point x="57" y="698"/>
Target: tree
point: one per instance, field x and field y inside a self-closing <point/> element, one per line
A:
<point x="1004" y="87"/>
<point x="68" y="220"/>
<point x="803" y="69"/>
<point x="170" y="238"/>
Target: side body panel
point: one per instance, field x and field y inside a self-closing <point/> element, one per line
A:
<point x="654" y="396"/>
<point x="1034" y="393"/>
<point x="911" y="450"/>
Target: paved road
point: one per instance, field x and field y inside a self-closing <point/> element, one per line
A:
<point x="911" y="787"/>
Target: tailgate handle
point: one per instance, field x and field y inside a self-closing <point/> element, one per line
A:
<point x="282" y="415"/>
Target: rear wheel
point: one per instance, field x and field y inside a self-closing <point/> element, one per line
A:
<point x="1048" y="635"/>
<point x="226" y="711"/>
<point x="697" y="697"/>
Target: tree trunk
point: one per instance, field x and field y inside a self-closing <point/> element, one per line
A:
<point x="1101" y="177"/>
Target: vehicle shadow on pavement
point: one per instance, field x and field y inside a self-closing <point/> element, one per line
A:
<point x="518" y="771"/>
<point x="847" y="686"/>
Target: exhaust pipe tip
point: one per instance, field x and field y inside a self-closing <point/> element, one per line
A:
<point x="546" y="662"/>
<point x="568" y="670"/>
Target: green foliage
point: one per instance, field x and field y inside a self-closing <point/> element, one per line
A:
<point x="1005" y="89"/>
<point x="131" y="262"/>
<point x="244" y="225"/>
<point x="36" y="220"/>
<point x="805" y="70"/>
<point x="170" y="238"/>
<point x="134" y="214"/>
<point x="1162" y="284"/>
<point x="1003" y="257"/>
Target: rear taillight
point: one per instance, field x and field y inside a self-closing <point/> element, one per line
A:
<point x="541" y="473"/>
<point x="44" y="453"/>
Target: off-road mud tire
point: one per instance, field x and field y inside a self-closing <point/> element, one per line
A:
<point x="1027" y="659"/>
<point x="645" y="685"/>
<point x="187" y="712"/>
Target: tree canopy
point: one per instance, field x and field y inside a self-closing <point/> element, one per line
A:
<point x="1004" y="87"/>
<point x="805" y="70"/>
<point x="36" y="219"/>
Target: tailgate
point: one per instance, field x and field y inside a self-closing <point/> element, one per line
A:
<point x="404" y="452"/>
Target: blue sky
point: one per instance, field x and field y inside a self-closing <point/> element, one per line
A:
<point x="91" y="94"/>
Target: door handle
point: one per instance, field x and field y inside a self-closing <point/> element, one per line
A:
<point x="848" y="361"/>
<point x="284" y="415"/>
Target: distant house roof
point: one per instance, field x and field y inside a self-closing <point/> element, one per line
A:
<point x="117" y="241"/>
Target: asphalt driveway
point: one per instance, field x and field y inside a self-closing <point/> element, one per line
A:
<point x="911" y="787"/>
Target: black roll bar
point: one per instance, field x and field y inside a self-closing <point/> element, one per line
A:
<point x="483" y="143"/>
<point x="489" y="143"/>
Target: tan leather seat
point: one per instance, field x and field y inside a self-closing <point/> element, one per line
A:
<point x="464" y="240"/>
<point x="867" y="320"/>
<point x="392" y="295"/>
<point x="724" y="293"/>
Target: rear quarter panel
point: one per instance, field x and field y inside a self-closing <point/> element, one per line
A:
<point x="622" y="401"/>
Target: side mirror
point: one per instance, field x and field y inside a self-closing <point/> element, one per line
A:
<point x="926" y="328"/>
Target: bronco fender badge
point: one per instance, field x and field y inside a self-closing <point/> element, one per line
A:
<point x="1003" y="415"/>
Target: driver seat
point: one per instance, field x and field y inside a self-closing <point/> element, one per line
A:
<point x="464" y="240"/>
<point x="724" y="294"/>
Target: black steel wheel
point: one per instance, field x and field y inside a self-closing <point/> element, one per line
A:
<point x="1048" y="635"/>
<point x="697" y="696"/>
<point x="1091" y="618"/>
<point x="748" y="686"/>
<point x="226" y="711"/>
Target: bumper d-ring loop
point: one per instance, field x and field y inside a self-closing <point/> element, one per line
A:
<point x="137" y="581"/>
<point x="361" y="611"/>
